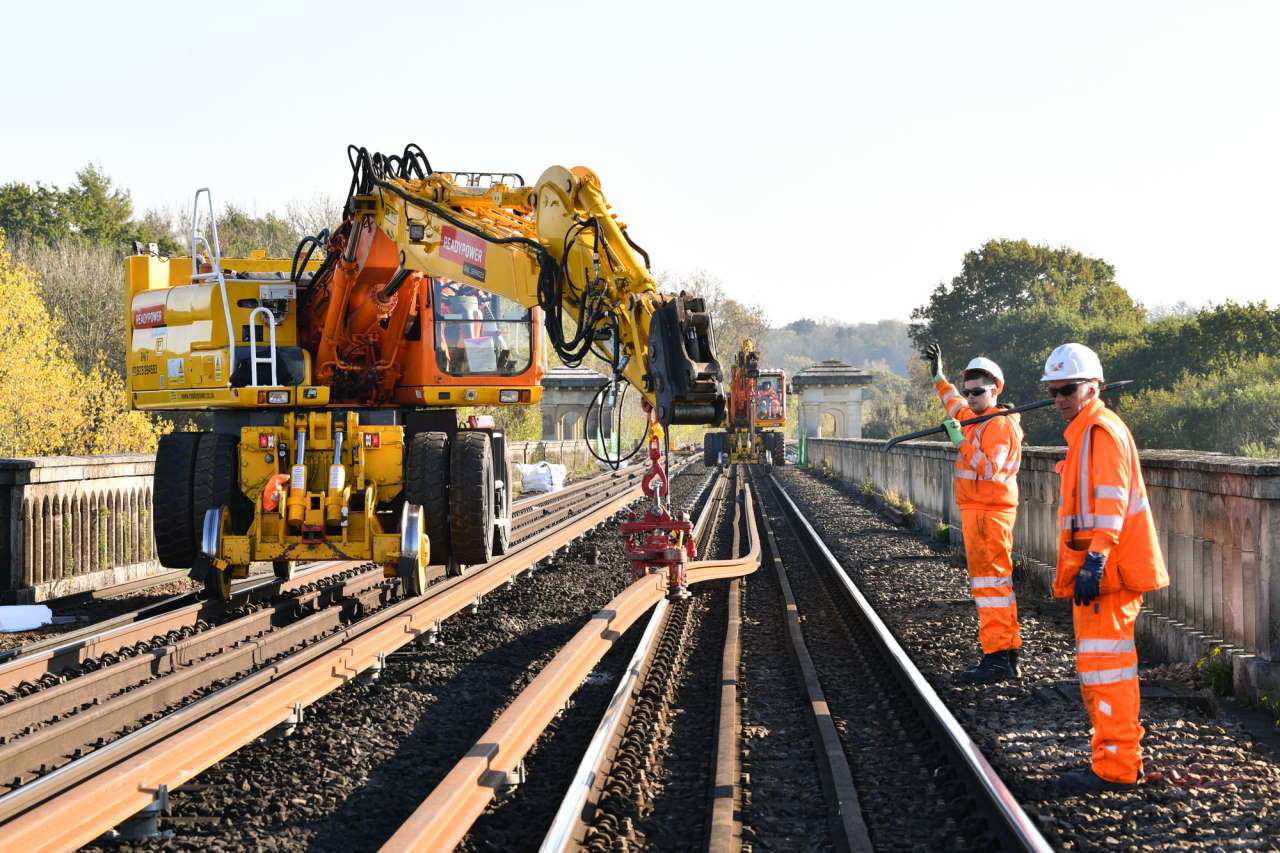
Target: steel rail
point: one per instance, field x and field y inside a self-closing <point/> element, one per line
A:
<point x="76" y="803"/>
<point x="569" y="826"/>
<point x="445" y="817"/>
<point x="725" y="831"/>
<point x="31" y="663"/>
<point x="1009" y="822"/>
<point x="120" y="699"/>
<point x="724" y="826"/>
<point x="848" y="828"/>
<point x="51" y="656"/>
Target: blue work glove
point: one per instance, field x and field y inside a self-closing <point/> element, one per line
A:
<point x="952" y="426"/>
<point x="1089" y="581"/>
<point x="933" y="355"/>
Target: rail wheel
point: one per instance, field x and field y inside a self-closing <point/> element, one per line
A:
<point x="283" y="569"/>
<point x="217" y="582"/>
<point x="502" y="515"/>
<point x="173" y="518"/>
<point x="414" y="551"/>
<point x="471" y="498"/>
<point x="427" y="485"/>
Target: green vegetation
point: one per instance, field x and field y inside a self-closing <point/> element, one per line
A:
<point x="868" y="489"/>
<point x="1214" y="671"/>
<point x="881" y="346"/>
<point x="1206" y="378"/>
<point x="942" y="534"/>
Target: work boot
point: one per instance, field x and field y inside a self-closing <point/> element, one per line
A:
<point x="993" y="668"/>
<point x="1087" y="782"/>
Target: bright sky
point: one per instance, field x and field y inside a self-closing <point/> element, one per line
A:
<point x="831" y="159"/>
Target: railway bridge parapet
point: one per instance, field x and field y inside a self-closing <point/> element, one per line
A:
<point x="74" y="523"/>
<point x="71" y="524"/>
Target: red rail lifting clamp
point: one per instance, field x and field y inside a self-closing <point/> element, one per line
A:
<point x="661" y="540"/>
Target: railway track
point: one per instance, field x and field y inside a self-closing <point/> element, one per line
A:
<point x="682" y="752"/>
<point x="230" y="683"/>
<point x="750" y="792"/>
<point x="907" y="765"/>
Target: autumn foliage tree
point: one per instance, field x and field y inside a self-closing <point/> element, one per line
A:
<point x="49" y="406"/>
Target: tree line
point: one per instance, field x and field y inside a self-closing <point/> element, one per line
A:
<point x="62" y="359"/>
<point x="1206" y="377"/>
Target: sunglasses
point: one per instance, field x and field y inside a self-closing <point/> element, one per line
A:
<point x="1065" y="390"/>
<point x="974" y="392"/>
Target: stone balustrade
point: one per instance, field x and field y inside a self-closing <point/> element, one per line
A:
<point x="74" y="523"/>
<point x="1218" y="519"/>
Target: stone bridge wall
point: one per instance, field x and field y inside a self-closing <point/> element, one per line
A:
<point x="1218" y="519"/>
<point x="74" y="523"/>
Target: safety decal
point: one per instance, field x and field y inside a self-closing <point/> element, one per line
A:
<point x="176" y="368"/>
<point x="149" y="317"/>
<point x="463" y="248"/>
<point x="277" y="291"/>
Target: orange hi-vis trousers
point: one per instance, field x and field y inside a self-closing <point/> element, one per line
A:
<point x="988" y="547"/>
<point x="1107" y="663"/>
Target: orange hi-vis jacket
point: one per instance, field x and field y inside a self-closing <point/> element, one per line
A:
<point x="1104" y="507"/>
<point x="987" y="462"/>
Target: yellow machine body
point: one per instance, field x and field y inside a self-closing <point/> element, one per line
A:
<point x="295" y="352"/>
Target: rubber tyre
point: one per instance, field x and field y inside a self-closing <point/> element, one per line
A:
<point x="711" y="449"/>
<point x="471" y="498"/>
<point x="172" y="515"/>
<point x="780" y="449"/>
<point x="426" y="484"/>
<point x="216" y="482"/>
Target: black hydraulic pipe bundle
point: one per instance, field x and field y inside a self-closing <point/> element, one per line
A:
<point x="1039" y="404"/>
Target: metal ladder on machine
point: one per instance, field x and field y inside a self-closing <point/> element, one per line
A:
<point x="211" y="533"/>
<point x="214" y="249"/>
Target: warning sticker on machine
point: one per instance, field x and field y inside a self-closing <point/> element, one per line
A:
<point x="463" y="248"/>
<point x="176" y="368"/>
<point x="146" y="318"/>
<point x="277" y="291"/>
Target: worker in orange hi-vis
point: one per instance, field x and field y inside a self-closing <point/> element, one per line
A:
<point x="1108" y="555"/>
<point x="986" y="486"/>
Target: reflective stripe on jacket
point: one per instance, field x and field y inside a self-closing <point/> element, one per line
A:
<point x="987" y="462"/>
<point x="1104" y="506"/>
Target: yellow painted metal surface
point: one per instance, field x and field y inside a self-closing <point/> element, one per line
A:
<point x="372" y="469"/>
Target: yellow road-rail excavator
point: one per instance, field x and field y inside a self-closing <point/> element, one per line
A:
<point x="756" y="416"/>
<point x="332" y="376"/>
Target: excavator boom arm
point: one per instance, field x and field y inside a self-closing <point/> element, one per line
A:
<point x="555" y="245"/>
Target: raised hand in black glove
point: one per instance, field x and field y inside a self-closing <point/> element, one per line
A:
<point x="933" y="355"/>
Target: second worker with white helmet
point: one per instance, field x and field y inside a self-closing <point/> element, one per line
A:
<point x="988" y="456"/>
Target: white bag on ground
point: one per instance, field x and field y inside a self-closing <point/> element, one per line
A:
<point x="542" y="477"/>
<point x="24" y="617"/>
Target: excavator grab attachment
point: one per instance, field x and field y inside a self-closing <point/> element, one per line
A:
<point x="683" y="371"/>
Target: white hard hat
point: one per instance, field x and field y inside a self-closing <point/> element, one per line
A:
<point x="1072" y="361"/>
<point x="988" y="366"/>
